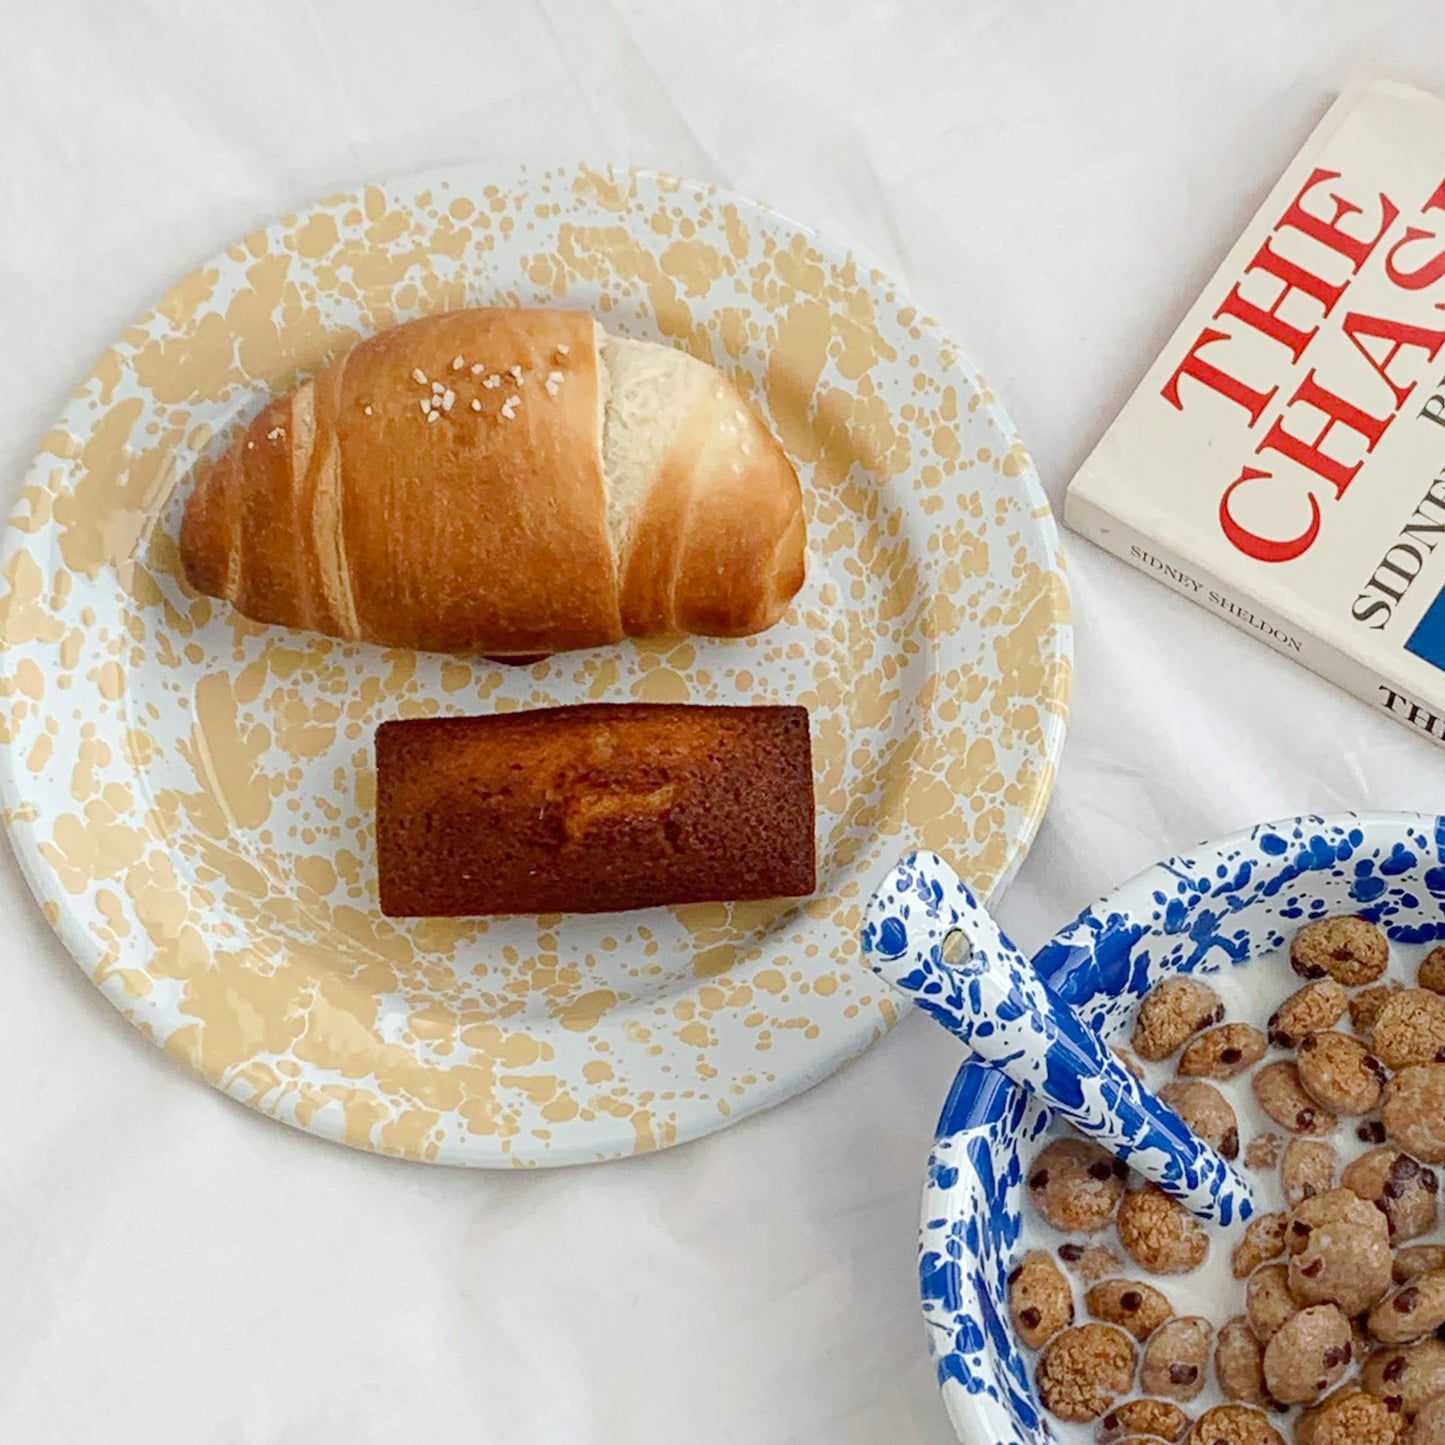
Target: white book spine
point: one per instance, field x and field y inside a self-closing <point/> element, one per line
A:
<point x="1156" y="559"/>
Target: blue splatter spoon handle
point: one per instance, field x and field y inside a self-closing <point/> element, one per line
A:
<point x="995" y="1002"/>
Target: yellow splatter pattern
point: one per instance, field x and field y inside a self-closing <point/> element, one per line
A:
<point x="190" y="793"/>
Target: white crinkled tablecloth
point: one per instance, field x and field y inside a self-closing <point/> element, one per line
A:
<point x="1055" y="181"/>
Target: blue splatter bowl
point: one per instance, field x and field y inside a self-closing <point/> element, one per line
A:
<point x="1224" y="906"/>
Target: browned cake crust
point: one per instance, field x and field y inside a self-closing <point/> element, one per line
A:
<point x="593" y="808"/>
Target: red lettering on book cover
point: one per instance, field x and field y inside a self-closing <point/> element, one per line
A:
<point x="1289" y="290"/>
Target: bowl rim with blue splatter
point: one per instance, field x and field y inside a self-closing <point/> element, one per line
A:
<point x="1221" y="906"/>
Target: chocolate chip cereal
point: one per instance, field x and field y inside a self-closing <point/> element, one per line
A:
<point x="1172" y="1011"/>
<point x="1338" y="1072"/>
<point x="1207" y="1112"/>
<point x="1129" y="1303"/>
<point x="1076" y="1185"/>
<point x="1091" y="1262"/>
<point x="1176" y="1359"/>
<point x="1040" y="1301"/>
<point x="1431" y="973"/>
<point x="1412" y="1109"/>
<point x="1308" y="1168"/>
<point x="1429" y="1426"/>
<point x="1268" y="1301"/>
<point x="1410" y="1029"/>
<point x="1349" y="1417"/>
<point x="1410" y="1311"/>
<point x="1223" y="1052"/>
<point x="1349" y="950"/>
<point x="1333" y="1296"/>
<point x="1233" y="1425"/>
<point x="1157" y="1419"/>
<point x="1159" y="1234"/>
<point x="1405" y="1191"/>
<point x="1339" y="1251"/>
<point x="1264" y="1151"/>
<point x="1416" y="1259"/>
<point x="1316" y="1006"/>
<point x="1278" y="1091"/>
<point x="1365" y="1006"/>
<point x="1263" y="1241"/>
<point x="1084" y="1370"/>
<point x="1308" y="1355"/>
<point x="1406" y="1376"/>
<point x="1239" y="1363"/>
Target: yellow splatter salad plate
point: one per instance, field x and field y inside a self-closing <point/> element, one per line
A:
<point x="190" y="794"/>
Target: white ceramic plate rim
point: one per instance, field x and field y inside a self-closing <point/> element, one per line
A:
<point x="615" y="1137"/>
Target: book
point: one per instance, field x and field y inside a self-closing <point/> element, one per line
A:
<point x="1283" y="461"/>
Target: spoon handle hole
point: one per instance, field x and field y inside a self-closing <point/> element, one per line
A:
<point x="955" y="949"/>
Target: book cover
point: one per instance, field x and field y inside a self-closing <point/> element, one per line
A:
<point x="1283" y="461"/>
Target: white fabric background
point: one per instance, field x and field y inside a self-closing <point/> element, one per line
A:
<point x="1056" y="181"/>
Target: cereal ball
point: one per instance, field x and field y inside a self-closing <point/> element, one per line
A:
<point x="1412" y="1109"/>
<point x="1316" y="1006"/>
<point x="1278" y="1091"/>
<point x="1340" y="1073"/>
<point x="1040" y="1302"/>
<point x="1365" y="1006"/>
<point x="1170" y="1012"/>
<point x="1263" y="1152"/>
<point x="1239" y="1362"/>
<point x="1159" y="1234"/>
<point x="1429" y="1426"/>
<point x="1091" y="1261"/>
<point x="1401" y="1188"/>
<point x="1262" y="1241"/>
<point x="1207" y="1112"/>
<point x="1084" y="1370"/>
<point x="1308" y="1355"/>
<point x="1076" y="1185"/>
<point x="1267" y="1300"/>
<point x="1415" y="1259"/>
<point x="1410" y="1311"/>
<point x="1223" y="1052"/>
<point x="1410" y="1029"/>
<point x="1308" y="1169"/>
<point x="1432" y="970"/>
<point x="1339" y="1248"/>
<point x="1349" y="1417"/>
<point x="1408" y="1375"/>
<point x="1176" y="1359"/>
<point x="1233" y="1425"/>
<point x="1348" y="950"/>
<point x="1159" y="1419"/>
<point x="1129" y="1303"/>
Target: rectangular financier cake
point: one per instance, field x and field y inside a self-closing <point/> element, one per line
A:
<point x="593" y="808"/>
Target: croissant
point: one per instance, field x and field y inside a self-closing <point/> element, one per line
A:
<point x="503" y="481"/>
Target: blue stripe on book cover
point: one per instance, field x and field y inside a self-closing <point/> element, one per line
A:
<point x="1427" y="641"/>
